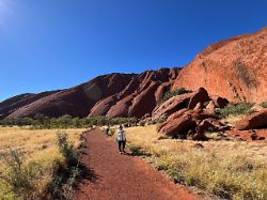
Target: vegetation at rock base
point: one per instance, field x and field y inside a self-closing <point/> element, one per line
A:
<point x="235" y="109"/>
<point x="66" y="121"/>
<point x="167" y="95"/>
<point x="227" y="169"/>
<point x="264" y="104"/>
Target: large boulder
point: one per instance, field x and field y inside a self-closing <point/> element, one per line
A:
<point x="177" y="114"/>
<point x="192" y="124"/>
<point x="179" y="127"/>
<point x="172" y="105"/>
<point x="218" y="101"/>
<point x="199" y="97"/>
<point x="254" y="121"/>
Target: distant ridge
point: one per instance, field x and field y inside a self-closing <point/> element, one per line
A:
<point x="127" y="95"/>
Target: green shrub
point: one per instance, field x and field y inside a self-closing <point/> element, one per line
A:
<point x="137" y="150"/>
<point x="167" y="95"/>
<point x="66" y="174"/>
<point x="21" y="178"/>
<point x="235" y="109"/>
<point x="67" y="150"/>
<point x="66" y="121"/>
<point x="264" y="104"/>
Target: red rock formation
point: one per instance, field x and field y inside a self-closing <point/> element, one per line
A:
<point x="113" y="95"/>
<point x="178" y="127"/>
<point x="189" y="116"/>
<point x="142" y="98"/>
<point x="199" y="97"/>
<point x="234" y="68"/>
<point x="77" y="101"/>
<point x="172" y="105"/>
<point x="178" y="102"/>
<point x="254" y="121"/>
<point x="12" y="104"/>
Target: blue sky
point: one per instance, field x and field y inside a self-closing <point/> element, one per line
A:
<point x="52" y="44"/>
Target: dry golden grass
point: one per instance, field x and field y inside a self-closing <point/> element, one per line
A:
<point x="229" y="169"/>
<point x="35" y="145"/>
<point x="231" y="119"/>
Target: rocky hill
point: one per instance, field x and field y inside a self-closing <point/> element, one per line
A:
<point x="114" y="95"/>
<point x="234" y="68"/>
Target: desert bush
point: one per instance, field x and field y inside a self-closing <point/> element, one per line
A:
<point x="67" y="150"/>
<point x="111" y="132"/>
<point x="37" y="161"/>
<point x="65" y="174"/>
<point x="167" y="95"/>
<point x="21" y="178"/>
<point x="137" y="150"/>
<point x="66" y="121"/>
<point x="264" y="104"/>
<point x="235" y="109"/>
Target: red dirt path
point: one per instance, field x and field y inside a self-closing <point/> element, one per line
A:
<point x="121" y="177"/>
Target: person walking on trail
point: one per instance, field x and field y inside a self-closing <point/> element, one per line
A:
<point x="121" y="139"/>
<point x="107" y="130"/>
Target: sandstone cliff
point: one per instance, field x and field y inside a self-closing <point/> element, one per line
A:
<point x="234" y="68"/>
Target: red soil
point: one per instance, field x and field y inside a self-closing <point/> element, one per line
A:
<point x="123" y="176"/>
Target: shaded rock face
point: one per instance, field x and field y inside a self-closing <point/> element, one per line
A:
<point x="76" y="101"/>
<point x="235" y="69"/>
<point x="142" y="95"/>
<point x="254" y="121"/>
<point x="113" y="95"/>
<point x="199" y="97"/>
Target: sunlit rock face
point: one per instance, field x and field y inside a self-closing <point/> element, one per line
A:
<point x="235" y="68"/>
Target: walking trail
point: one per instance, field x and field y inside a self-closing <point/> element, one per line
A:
<point x="123" y="177"/>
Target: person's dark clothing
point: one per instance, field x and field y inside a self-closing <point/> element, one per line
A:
<point x="121" y="139"/>
<point x="107" y="131"/>
<point x="122" y="145"/>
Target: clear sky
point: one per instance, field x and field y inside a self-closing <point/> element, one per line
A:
<point x="53" y="44"/>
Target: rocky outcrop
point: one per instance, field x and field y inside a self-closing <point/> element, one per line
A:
<point x="171" y="105"/>
<point x="113" y="95"/>
<point x="178" y="102"/>
<point x="12" y="104"/>
<point x="193" y="119"/>
<point x="254" y="121"/>
<point x="235" y="69"/>
<point x="178" y="127"/>
<point x="144" y="97"/>
<point x="76" y="101"/>
<point x="199" y="97"/>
